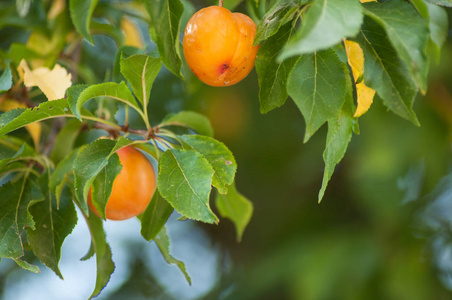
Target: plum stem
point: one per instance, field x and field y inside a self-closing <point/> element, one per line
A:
<point x="220" y="3"/>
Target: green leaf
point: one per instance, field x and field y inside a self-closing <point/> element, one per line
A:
<point x="17" y="52"/>
<point x="184" y="180"/>
<point x="164" y="30"/>
<point x="118" y="91"/>
<point x="27" y="266"/>
<point x="104" y="263"/>
<point x="190" y="9"/>
<point x="447" y="3"/>
<point x="14" y="155"/>
<point x="148" y="148"/>
<point x="141" y="71"/>
<point x="324" y="25"/>
<point x="273" y="75"/>
<point x="90" y="162"/>
<point x="155" y="216"/>
<point x="6" y="80"/>
<point x="13" y="147"/>
<point x="123" y="52"/>
<point x="10" y="18"/>
<point x="338" y="138"/>
<point x="421" y="7"/>
<point x="23" y="7"/>
<point x="408" y="33"/>
<point x="73" y="93"/>
<point x="113" y="31"/>
<point x="60" y="188"/>
<point x="17" y="118"/>
<point x="17" y="198"/>
<point x="317" y="84"/>
<point x="90" y="253"/>
<point x="193" y="120"/>
<point x="11" y="115"/>
<point x="81" y="13"/>
<point x="53" y="225"/>
<point x="235" y="207"/>
<point x="385" y="73"/>
<point x="219" y="157"/>
<point x="13" y="167"/>
<point x="65" y="140"/>
<point x="339" y="135"/>
<point x="255" y="10"/>
<point x="103" y="183"/>
<point x="438" y="25"/>
<point x="277" y="16"/>
<point x="8" y="155"/>
<point x="57" y="178"/>
<point x="231" y="4"/>
<point x="163" y="243"/>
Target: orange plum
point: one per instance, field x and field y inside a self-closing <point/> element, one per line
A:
<point x="218" y="46"/>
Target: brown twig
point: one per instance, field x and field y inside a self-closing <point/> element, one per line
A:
<point x="73" y="56"/>
<point x="34" y="163"/>
<point x="115" y="133"/>
<point x="220" y="3"/>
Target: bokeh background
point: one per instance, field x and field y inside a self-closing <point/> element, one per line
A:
<point x="382" y="231"/>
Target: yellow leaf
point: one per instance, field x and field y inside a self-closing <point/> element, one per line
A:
<point x="33" y="129"/>
<point x="53" y="83"/>
<point x="132" y="33"/>
<point x="355" y="58"/>
<point x="9" y="104"/>
<point x="41" y="44"/>
<point x="364" y="93"/>
<point x="365" y="98"/>
<point x="57" y="7"/>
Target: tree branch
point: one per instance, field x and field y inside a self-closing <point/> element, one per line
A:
<point x="115" y="133"/>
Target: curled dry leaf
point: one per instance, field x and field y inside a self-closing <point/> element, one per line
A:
<point x="53" y="83"/>
<point x="364" y="93"/>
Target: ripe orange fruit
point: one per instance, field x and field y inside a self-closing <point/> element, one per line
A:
<point x="218" y="45"/>
<point x="133" y="187"/>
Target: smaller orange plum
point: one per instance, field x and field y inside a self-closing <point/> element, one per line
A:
<point x="132" y="189"/>
<point x="218" y="45"/>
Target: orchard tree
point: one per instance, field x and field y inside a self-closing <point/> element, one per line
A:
<point x="332" y="57"/>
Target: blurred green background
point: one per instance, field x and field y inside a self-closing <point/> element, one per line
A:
<point x="382" y="231"/>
